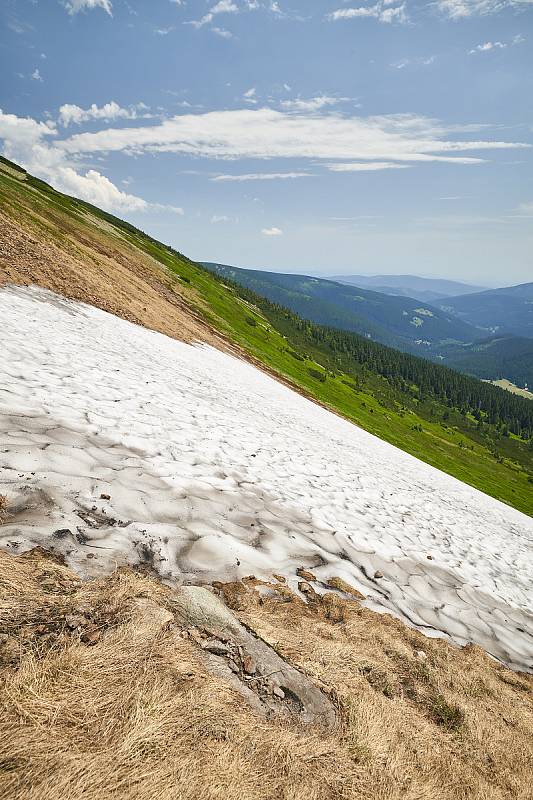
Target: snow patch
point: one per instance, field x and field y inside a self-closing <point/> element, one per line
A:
<point x="119" y="445"/>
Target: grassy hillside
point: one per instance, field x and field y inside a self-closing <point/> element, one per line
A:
<point x="72" y="247"/>
<point x="401" y="322"/>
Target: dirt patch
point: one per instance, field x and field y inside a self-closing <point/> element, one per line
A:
<point x="89" y="265"/>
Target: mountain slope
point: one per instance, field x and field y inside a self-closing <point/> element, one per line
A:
<point x="395" y="321"/>
<point x="75" y="249"/>
<point x="426" y="289"/>
<point x="508" y="357"/>
<point x="507" y="310"/>
<point x="139" y="714"/>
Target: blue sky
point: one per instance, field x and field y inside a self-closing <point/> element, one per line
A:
<point x="326" y="136"/>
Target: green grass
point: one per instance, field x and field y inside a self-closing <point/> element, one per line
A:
<point x="443" y="437"/>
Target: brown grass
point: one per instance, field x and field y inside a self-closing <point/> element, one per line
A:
<point x="82" y="261"/>
<point x="131" y="711"/>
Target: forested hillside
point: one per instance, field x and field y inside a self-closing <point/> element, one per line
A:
<point x="405" y="373"/>
<point x="509" y="357"/>
<point x="506" y="310"/>
<point x="402" y="322"/>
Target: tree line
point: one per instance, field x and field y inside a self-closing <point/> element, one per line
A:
<point x="345" y="350"/>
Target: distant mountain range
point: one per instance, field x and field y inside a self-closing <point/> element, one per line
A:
<point x="507" y="310"/>
<point x="427" y="289"/>
<point x="437" y="331"/>
<point x="402" y="322"/>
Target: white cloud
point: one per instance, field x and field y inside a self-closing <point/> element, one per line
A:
<point x="222" y="7"/>
<point x="31" y="144"/>
<point x="73" y="6"/>
<point x="486" y="47"/>
<point x="266" y="133"/>
<point x="69" y="113"/>
<point x="223" y="33"/>
<point x="314" y="103"/>
<point x="460" y="9"/>
<point x="368" y="166"/>
<point x="340" y="143"/>
<point x="383" y="11"/>
<point x="36" y="75"/>
<point x="163" y="31"/>
<point x="216" y="218"/>
<point x="272" y="232"/>
<point x="416" y="62"/>
<point x="261" y="176"/>
<point x="250" y="96"/>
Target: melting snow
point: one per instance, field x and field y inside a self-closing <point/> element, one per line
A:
<point x="215" y="471"/>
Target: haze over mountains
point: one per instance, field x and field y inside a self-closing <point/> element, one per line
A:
<point x="401" y="322"/>
<point x="427" y="289"/>
<point x="488" y="334"/>
<point x="505" y="310"/>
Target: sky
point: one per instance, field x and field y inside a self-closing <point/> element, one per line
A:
<point x="322" y="136"/>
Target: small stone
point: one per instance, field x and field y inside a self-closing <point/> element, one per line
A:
<point x="74" y="622"/>
<point x="421" y="655"/>
<point x="215" y="647"/>
<point x="430" y="558"/>
<point x="279" y="578"/>
<point x="61" y="533"/>
<point x="105" y="496"/>
<point x="278" y="692"/>
<point x="196" y="636"/>
<point x="305" y="574"/>
<point x="249" y="665"/>
<point x="91" y="637"/>
<point x="378" y="574"/>
<point x="305" y="588"/>
<point x="233" y="666"/>
<point x="90" y="555"/>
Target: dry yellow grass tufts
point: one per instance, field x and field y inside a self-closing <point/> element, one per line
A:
<point x="102" y="698"/>
<point x="3" y="507"/>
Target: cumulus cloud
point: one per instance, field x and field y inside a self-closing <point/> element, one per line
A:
<point x="266" y="133"/>
<point x="341" y="143"/>
<point x="272" y="232"/>
<point x="260" y="176"/>
<point x="36" y="75"/>
<point x="74" y="6"/>
<point x="382" y="11"/>
<point x="72" y="114"/>
<point x="32" y="144"/>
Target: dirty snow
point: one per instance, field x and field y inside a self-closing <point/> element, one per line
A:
<point x="215" y="471"/>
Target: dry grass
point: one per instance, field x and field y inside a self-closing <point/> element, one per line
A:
<point x="42" y="246"/>
<point x="132" y="711"/>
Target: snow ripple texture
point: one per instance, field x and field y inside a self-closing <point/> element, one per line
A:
<point x="216" y="471"/>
